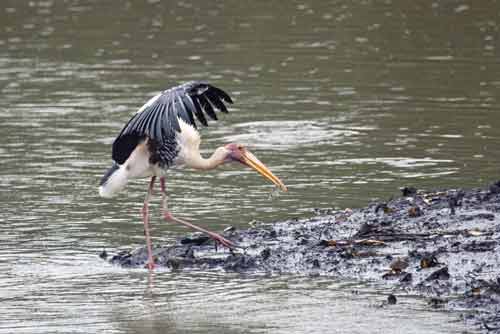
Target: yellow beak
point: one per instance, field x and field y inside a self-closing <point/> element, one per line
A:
<point x="251" y="161"/>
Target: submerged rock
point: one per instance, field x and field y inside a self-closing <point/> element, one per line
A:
<point x="442" y="245"/>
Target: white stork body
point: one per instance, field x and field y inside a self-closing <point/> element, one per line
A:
<point x="138" y="164"/>
<point x="163" y="135"/>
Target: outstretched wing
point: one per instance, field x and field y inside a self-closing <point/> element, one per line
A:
<point x="158" y="118"/>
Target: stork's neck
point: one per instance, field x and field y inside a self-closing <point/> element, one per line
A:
<point x="189" y="142"/>
<point x="196" y="161"/>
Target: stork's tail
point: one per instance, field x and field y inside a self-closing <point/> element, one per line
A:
<point x="113" y="181"/>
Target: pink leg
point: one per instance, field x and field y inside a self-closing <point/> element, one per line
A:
<point x="169" y="217"/>
<point x="145" y="217"/>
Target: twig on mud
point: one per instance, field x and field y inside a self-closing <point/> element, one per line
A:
<point x="344" y="243"/>
<point x="390" y="236"/>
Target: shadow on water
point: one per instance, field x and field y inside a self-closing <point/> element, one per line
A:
<point x="345" y="101"/>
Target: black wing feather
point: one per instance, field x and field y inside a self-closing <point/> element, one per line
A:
<point x="215" y="100"/>
<point x="185" y="114"/>
<point x="190" y="104"/>
<point x="159" y="120"/>
<point x="222" y="94"/>
<point x="138" y="125"/>
<point x="198" y="111"/>
<point x="146" y="125"/>
<point x="173" y="122"/>
<point x="207" y="107"/>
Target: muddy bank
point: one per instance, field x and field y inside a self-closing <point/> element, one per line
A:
<point x="444" y="245"/>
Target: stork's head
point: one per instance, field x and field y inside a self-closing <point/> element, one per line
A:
<point x="239" y="153"/>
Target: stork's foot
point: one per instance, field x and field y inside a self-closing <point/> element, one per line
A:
<point x="217" y="237"/>
<point x="150" y="265"/>
<point x="223" y="241"/>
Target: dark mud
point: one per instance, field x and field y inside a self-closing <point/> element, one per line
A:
<point x="443" y="245"/>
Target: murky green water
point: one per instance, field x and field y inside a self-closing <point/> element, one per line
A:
<point x="346" y="101"/>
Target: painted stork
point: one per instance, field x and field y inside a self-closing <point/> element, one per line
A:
<point x="162" y="135"/>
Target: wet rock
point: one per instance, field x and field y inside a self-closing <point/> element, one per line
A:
<point x="174" y="263"/>
<point x="436" y="302"/>
<point x="407" y="278"/>
<point x="391" y="300"/>
<point x="440" y="274"/>
<point x="265" y="254"/>
<point x="239" y="263"/>
<point x="428" y="261"/>
<point x="197" y="239"/>
<point x="229" y="229"/>
<point x="189" y="254"/>
<point x="480" y="246"/>
<point x="415" y="211"/>
<point x="495" y="188"/>
<point x="103" y="255"/>
<point x="408" y="191"/>
<point x="365" y="230"/>
<point x="455" y="200"/>
<point x="384" y="208"/>
<point x="399" y="265"/>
